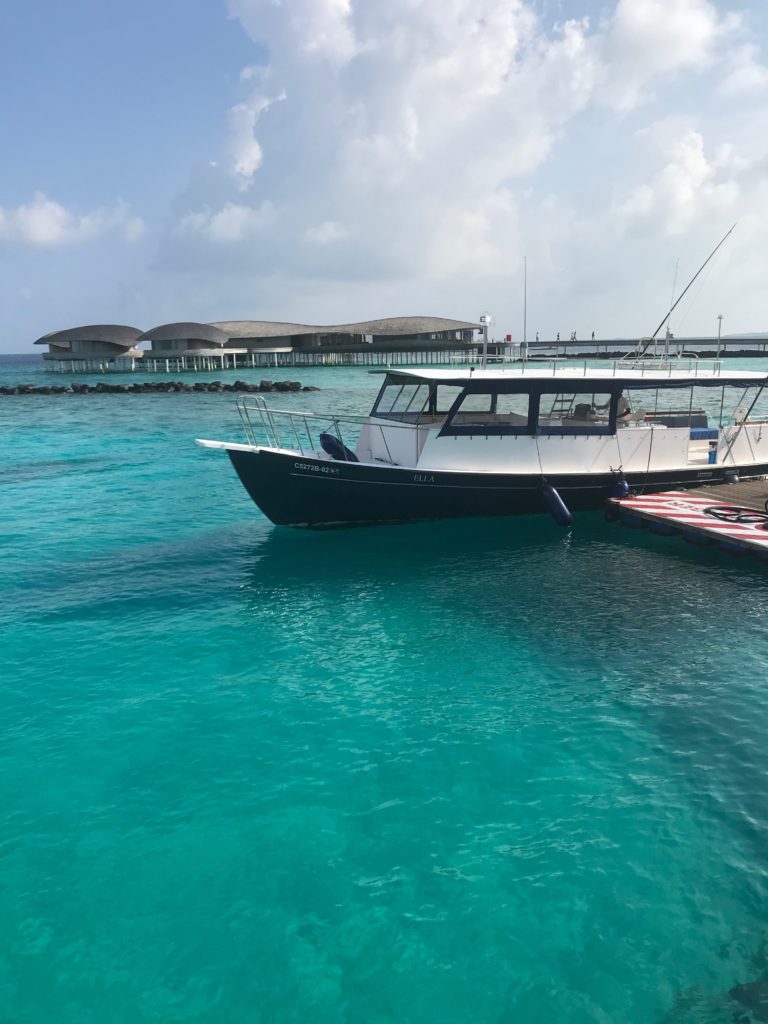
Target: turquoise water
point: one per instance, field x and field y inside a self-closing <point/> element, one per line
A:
<point x="458" y="772"/>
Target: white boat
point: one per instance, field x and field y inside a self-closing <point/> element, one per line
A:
<point x="496" y="442"/>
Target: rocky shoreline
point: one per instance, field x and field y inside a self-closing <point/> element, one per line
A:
<point x="155" y="387"/>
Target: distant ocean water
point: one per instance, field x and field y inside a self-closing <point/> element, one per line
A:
<point x="483" y="771"/>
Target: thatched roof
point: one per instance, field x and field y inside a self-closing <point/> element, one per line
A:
<point x="187" y="331"/>
<point x="112" y="334"/>
<point x="405" y="326"/>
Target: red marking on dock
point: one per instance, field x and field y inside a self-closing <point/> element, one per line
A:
<point x="685" y="513"/>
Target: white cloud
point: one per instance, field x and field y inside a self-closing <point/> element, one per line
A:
<point x="134" y="228"/>
<point x="414" y="110"/>
<point x="402" y="112"/>
<point x="427" y="145"/>
<point x="44" y="222"/>
<point x="471" y="242"/>
<point x="246" y="151"/>
<point x="649" y="39"/>
<point x="316" y="28"/>
<point x="232" y="223"/>
<point x="328" y="231"/>
<point x="744" y="72"/>
<point x="688" y="190"/>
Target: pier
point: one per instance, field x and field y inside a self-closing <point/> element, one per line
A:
<point x="744" y="346"/>
<point x="731" y="516"/>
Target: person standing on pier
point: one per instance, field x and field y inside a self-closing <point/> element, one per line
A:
<point x="593" y="335"/>
<point x="558" y="336"/>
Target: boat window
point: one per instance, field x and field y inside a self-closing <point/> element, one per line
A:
<point x="474" y="407"/>
<point x="444" y="395"/>
<point x="489" y="412"/>
<point x="402" y="401"/>
<point x="692" y="407"/>
<point x="700" y="407"/>
<point x="513" y="408"/>
<point x="745" y="405"/>
<point x="577" y="412"/>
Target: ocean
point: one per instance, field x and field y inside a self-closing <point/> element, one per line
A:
<point x="477" y="772"/>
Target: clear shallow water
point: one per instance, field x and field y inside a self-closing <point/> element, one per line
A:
<point x="479" y="771"/>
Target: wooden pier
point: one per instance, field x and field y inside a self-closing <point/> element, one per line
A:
<point x="619" y="348"/>
<point x="734" y="516"/>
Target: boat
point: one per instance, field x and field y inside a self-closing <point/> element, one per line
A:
<point x="448" y="443"/>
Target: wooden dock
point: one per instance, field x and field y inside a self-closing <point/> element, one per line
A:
<point x="734" y="517"/>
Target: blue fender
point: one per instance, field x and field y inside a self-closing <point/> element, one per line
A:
<point x="621" y="488"/>
<point x="557" y="507"/>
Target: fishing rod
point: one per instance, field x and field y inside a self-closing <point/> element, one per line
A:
<point x="683" y="292"/>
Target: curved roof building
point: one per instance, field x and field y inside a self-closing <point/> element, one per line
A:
<point x="389" y="327"/>
<point x="110" y="341"/>
<point x="185" y="339"/>
<point x="248" y="343"/>
<point x="108" y="334"/>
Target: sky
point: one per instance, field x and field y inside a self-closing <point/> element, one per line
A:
<point x="325" y="161"/>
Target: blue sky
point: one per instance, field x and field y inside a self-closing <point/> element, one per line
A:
<point x="332" y="160"/>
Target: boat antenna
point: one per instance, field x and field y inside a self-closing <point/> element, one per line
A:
<point x="674" y="283"/>
<point x="671" y="304"/>
<point x="684" y="291"/>
<point x="525" y="300"/>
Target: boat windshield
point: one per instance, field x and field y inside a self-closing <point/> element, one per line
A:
<point x="414" y="401"/>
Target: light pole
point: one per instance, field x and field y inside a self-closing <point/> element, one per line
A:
<point x="719" y="331"/>
<point x="486" y="320"/>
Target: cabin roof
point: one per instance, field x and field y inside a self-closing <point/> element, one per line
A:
<point x="569" y="374"/>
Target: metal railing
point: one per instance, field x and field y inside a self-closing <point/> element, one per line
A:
<point x="688" y="362"/>
<point x="300" y="431"/>
<point x="568" y="367"/>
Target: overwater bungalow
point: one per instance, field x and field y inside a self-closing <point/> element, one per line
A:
<point x="95" y="348"/>
<point x="188" y="346"/>
<point x="240" y="344"/>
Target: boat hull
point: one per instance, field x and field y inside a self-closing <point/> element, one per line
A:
<point x="295" y="490"/>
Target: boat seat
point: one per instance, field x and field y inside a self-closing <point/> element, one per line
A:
<point x="633" y="419"/>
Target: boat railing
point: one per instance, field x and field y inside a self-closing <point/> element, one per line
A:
<point x="269" y="427"/>
<point x="689" y="362"/>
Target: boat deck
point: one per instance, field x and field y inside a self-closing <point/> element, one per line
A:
<point x="739" y="525"/>
<point x="747" y="494"/>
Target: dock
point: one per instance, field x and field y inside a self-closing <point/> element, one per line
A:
<point x="732" y="516"/>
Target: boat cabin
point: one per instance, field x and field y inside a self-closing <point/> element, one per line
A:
<point x="565" y="419"/>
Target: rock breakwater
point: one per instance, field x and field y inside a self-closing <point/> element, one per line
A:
<point x="164" y="387"/>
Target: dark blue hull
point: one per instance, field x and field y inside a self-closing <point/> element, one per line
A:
<point x="295" y="490"/>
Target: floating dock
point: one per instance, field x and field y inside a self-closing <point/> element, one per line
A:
<point x="731" y="516"/>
